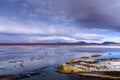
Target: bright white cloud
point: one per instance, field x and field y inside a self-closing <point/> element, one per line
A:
<point x="54" y="38"/>
<point x="112" y="39"/>
<point x="44" y="31"/>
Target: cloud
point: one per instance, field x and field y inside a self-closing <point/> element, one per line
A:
<point x="85" y="36"/>
<point x="13" y="0"/>
<point x="44" y="31"/>
<point x="54" y="39"/>
<point x="112" y="39"/>
<point x="57" y="19"/>
<point x="88" y="13"/>
<point x="12" y="26"/>
<point x="97" y="14"/>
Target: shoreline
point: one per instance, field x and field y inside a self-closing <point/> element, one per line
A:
<point x="104" y="68"/>
<point x="74" y="45"/>
<point x="23" y="76"/>
<point x="58" y="44"/>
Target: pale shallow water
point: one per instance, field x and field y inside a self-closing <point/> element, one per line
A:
<point x="23" y="60"/>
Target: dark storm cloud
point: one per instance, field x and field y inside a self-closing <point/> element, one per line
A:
<point x="102" y="14"/>
<point x="96" y="13"/>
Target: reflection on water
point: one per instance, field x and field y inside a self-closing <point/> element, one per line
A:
<point x="19" y="60"/>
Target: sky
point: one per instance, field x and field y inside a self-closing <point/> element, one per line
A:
<point x="60" y="20"/>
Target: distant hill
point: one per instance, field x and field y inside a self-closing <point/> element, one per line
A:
<point x="81" y="43"/>
<point x="109" y="43"/>
<point x="85" y="43"/>
<point x="104" y="43"/>
<point x="29" y="42"/>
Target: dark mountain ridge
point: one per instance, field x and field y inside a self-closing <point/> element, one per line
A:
<point x="57" y="43"/>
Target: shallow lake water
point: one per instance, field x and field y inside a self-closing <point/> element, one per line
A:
<point x="40" y="62"/>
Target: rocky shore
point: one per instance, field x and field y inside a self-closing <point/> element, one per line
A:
<point x="104" y="68"/>
<point x="8" y="78"/>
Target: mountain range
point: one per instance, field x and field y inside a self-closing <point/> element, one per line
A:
<point x="57" y="43"/>
<point x="104" y="43"/>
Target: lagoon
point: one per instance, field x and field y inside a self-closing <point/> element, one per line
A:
<point x="40" y="62"/>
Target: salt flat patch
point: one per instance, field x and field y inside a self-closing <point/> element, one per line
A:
<point x="26" y="66"/>
<point x="22" y="67"/>
<point x="111" y="65"/>
<point x="98" y="46"/>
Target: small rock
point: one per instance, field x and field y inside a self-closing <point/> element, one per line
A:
<point x="72" y="61"/>
<point x="85" y="57"/>
<point x="28" y="75"/>
<point x="96" y="55"/>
